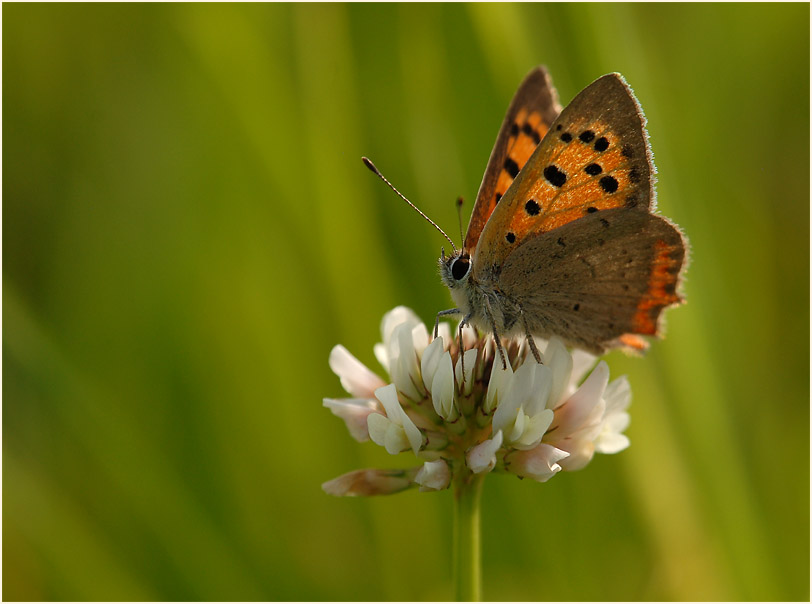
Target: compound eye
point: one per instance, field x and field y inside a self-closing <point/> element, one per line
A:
<point x="460" y="268"/>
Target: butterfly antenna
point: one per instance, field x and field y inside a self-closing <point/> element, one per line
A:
<point x="372" y="167"/>
<point x="459" y="218"/>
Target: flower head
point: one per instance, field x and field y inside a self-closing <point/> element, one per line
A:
<point x="462" y="413"/>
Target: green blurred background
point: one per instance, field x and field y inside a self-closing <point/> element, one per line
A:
<point x="188" y="230"/>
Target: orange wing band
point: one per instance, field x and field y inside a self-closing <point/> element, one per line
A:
<point x="662" y="285"/>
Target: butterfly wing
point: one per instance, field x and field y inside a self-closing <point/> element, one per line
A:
<point x="604" y="276"/>
<point x="528" y="118"/>
<point x="594" y="157"/>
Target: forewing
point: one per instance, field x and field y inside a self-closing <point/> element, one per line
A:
<point x="594" y="157"/>
<point x="528" y="118"/>
<point x="594" y="281"/>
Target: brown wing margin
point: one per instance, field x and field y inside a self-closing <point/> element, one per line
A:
<point x="534" y="107"/>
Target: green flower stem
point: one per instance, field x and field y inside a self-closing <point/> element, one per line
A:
<point x="467" y="539"/>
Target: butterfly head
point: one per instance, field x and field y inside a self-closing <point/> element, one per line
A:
<point x="455" y="269"/>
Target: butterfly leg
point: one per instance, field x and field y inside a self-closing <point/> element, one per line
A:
<point x="530" y="339"/>
<point x="463" y="323"/>
<point x="495" y="333"/>
<point x="443" y="313"/>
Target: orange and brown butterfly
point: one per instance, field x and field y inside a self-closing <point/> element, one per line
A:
<point x="562" y="239"/>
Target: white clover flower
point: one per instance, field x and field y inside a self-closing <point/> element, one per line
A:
<point x="618" y="396"/>
<point x="538" y="463"/>
<point x="403" y="354"/>
<point x="355" y="377"/>
<point x="522" y="413"/>
<point x="434" y="476"/>
<point x="354" y="412"/>
<point x="578" y="420"/>
<point x="482" y="457"/>
<point x="442" y="388"/>
<point x="498" y="387"/>
<point x="362" y="483"/>
<point x="463" y="414"/>
<point x="465" y="370"/>
<point x="395" y="431"/>
<point x="359" y="382"/>
<point x="431" y="360"/>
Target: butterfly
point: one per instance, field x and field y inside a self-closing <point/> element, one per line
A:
<point x="562" y="240"/>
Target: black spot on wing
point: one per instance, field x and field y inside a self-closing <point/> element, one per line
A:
<point x="528" y="130"/>
<point x="608" y="184"/>
<point x="554" y="176"/>
<point x="511" y="167"/>
<point x="532" y="208"/>
<point x="586" y="136"/>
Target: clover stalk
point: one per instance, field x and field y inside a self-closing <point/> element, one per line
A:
<point x="467" y="537"/>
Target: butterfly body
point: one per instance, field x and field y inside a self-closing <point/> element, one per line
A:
<point x="562" y="241"/>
